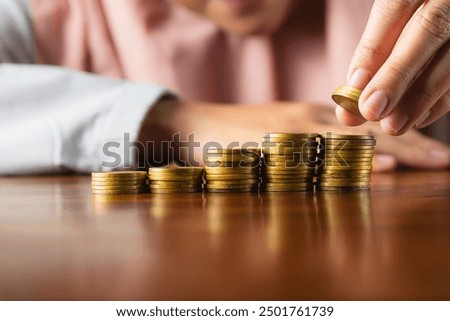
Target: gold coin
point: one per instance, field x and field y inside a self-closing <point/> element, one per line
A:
<point x="227" y="190"/>
<point x="271" y="187"/>
<point x="284" y="147"/>
<point x="232" y="163"/>
<point x="347" y="137"/>
<point x="288" y="163"/>
<point x="175" y="190"/>
<point x="355" y="171"/>
<point x="230" y="170"/>
<point x="349" y="154"/>
<point x="349" y="167"/>
<point x="344" y="176"/>
<point x="336" y="184"/>
<point x="343" y="188"/>
<point x="282" y="190"/>
<point x="231" y="158"/>
<point x="117" y="192"/>
<point x="288" y="175"/>
<point x="349" y="142"/>
<point x="328" y="161"/>
<point x="343" y="162"/>
<point x="296" y="184"/>
<point x="351" y="149"/>
<point x="119" y="174"/>
<point x="300" y="169"/>
<point x="289" y="143"/>
<point x="230" y="177"/>
<point x="234" y="151"/>
<point x="288" y="180"/>
<point x="283" y="159"/>
<point x="119" y="182"/>
<point x="281" y="167"/>
<point x="291" y="135"/>
<point x="289" y="151"/>
<point x="123" y="180"/>
<point x="347" y="98"/>
<point x="225" y="184"/>
<point x="176" y="170"/>
<point x="352" y="157"/>
<point x="117" y="186"/>
<point x="174" y="184"/>
<point x="176" y="174"/>
<point x="328" y="165"/>
<point x="344" y="181"/>
<point x="180" y="180"/>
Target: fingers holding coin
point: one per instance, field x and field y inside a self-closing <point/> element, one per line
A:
<point x="403" y="65"/>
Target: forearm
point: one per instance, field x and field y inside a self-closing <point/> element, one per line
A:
<point x="54" y="119"/>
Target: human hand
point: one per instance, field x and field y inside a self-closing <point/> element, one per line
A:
<point x="225" y="124"/>
<point x="403" y="64"/>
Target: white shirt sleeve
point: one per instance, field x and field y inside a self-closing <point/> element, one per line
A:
<point x="16" y="32"/>
<point x="54" y="119"/>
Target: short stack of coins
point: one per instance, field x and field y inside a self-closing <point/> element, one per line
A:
<point x="346" y="163"/>
<point x="289" y="162"/>
<point x="232" y="170"/>
<point x="116" y="183"/>
<point x="171" y="180"/>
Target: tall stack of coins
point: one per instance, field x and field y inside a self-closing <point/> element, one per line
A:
<point x="347" y="97"/>
<point x="114" y="183"/>
<point x="289" y="162"/>
<point x="347" y="162"/>
<point x="232" y="170"/>
<point x="176" y="179"/>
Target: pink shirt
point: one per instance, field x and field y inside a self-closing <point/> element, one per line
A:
<point x="159" y="42"/>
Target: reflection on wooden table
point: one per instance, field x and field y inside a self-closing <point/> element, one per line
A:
<point x="57" y="241"/>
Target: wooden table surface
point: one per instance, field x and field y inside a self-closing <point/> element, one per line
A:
<point x="59" y="242"/>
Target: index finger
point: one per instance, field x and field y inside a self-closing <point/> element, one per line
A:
<point x="386" y="22"/>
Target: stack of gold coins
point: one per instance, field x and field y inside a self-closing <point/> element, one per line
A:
<point x="289" y="162"/>
<point x="176" y="179"/>
<point x="347" y="162"/>
<point x="232" y="170"/>
<point x="113" y="183"/>
<point x="347" y="97"/>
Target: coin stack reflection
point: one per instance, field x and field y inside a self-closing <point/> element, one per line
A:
<point x="232" y="170"/>
<point x="289" y="162"/>
<point x="347" y="162"/>
<point x="115" y="183"/>
<point x="175" y="179"/>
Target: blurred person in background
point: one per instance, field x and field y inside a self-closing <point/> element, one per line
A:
<point x="76" y="74"/>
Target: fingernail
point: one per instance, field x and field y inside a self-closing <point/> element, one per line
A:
<point x="422" y="119"/>
<point x="383" y="163"/>
<point x="440" y="156"/>
<point x="386" y="160"/>
<point x="375" y="104"/>
<point x="359" y="79"/>
<point x="395" y="123"/>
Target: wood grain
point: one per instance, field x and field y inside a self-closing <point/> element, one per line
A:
<point x="59" y="242"/>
